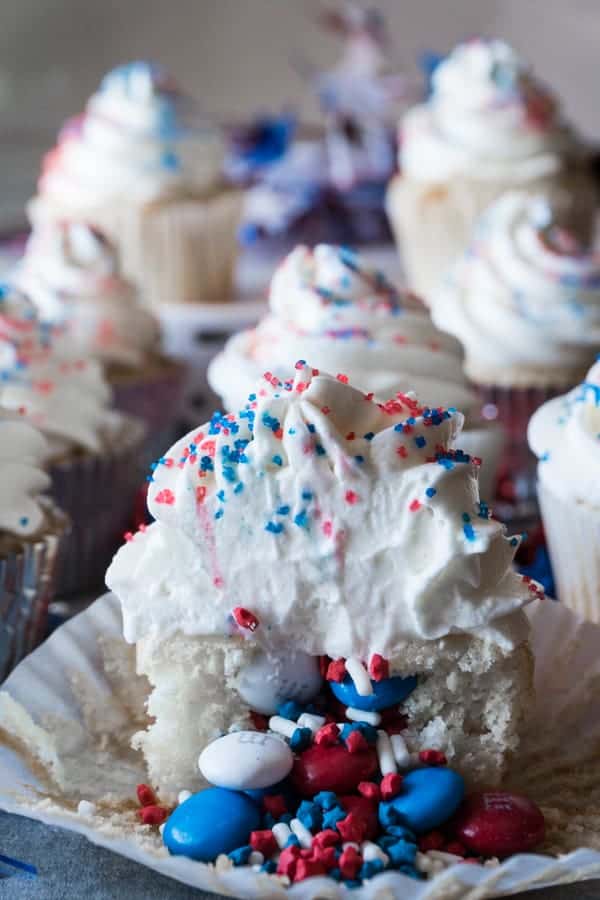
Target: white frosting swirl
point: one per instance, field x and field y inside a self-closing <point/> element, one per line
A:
<point x="524" y="298"/>
<point x="564" y="434"/>
<point x="343" y="524"/>
<point x="47" y="384"/>
<point x="71" y="272"/>
<point x="487" y="117"/>
<point x="138" y="139"/>
<point x="22" y="481"/>
<point x="327" y="305"/>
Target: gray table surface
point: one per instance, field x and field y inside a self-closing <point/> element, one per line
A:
<point x="70" y="868"/>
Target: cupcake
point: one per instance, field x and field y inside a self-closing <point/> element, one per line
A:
<point x="328" y="305"/>
<point x="565" y="436"/>
<point x="488" y="126"/>
<point x="315" y="541"/>
<point x="70" y="271"/>
<point x="139" y="165"/>
<point x="93" y="451"/>
<point x="525" y="302"/>
<point x="31" y="531"/>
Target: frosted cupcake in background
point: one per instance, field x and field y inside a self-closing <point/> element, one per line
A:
<point x="140" y="165"/>
<point x="71" y="273"/>
<point x="488" y="126"/>
<point x="328" y="305"/>
<point x="92" y="451"/>
<point x="525" y="302"/>
<point x="565" y="436"/>
<point x="31" y="531"/>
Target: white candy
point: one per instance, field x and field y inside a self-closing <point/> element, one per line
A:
<point x="246" y="760"/>
<point x="371" y="851"/>
<point x="302" y="833"/>
<point x="86" y="808"/>
<point x="400" y="751"/>
<point x="359" y="676"/>
<point x="286" y="727"/>
<point x="281" y="833"/>
<point x="268" y="680"/>
<point x="308" y="720"/>
<point x="362" y="715"/>
<point x="385" y="755"/>
<point x="182" y="796"/>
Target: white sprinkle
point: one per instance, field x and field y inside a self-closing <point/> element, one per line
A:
<point x="361" y="715"/>
<point x="302" y="833"/>
<point x="359" y="676"/>
<point x="256" y="858"/>
<point x="371" y="851"/>
<point x="86" y="808"/>
<point x="161" y="828"/>
<point x="400" y="751"/>
<point x="307" y="720"/>
<point x="279" y="725"/>
<point x="281" y="833"/>
<point x="385" y="755"/>
<point x="182" y="796"/>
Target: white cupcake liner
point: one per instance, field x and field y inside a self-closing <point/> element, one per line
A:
<point x="563" y="723"/>
<point x="573" y="537"/>
<point x="27" y="581"/>
<point x="433" y="223"/>
<point x="98" y="492"/>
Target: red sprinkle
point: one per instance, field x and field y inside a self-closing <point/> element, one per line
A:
<point x="356" y="742"/>
<point x="327" y="735"/>
<point x="351" y="498"/>
<point x="326" y="838"/>
<point x="152" y="815"/>
<point x="146" y="795"/>
<point x="370" y="790"/>
<point x="433" y="758"/>
<point x="402" y="451"/>
<point x="274" y="804"/>
<point x="200" y="493"/>
<point x="349" y="862"/>
<point x="288" y="861"/>
<point x="325" y="855"/>
<point x="264" y="842"/>
<point x="414" y="505"/>
<point x="351" y="828"/>
<point x="379" y="668"/>
<point x="390" y="786"/>
<point x="342" y="378"/>
<point x="305" y="868"/>
<point x="245" y="618"/>
<point x="165" y="496"/>
<point x="336" y="670"/>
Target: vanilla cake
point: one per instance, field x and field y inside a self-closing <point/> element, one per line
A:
<point x="316" y="537"/>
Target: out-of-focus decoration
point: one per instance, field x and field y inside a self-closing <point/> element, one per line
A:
<point x="328" y="185"/>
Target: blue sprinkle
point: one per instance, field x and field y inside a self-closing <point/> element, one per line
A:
<point x="333" y="816"/>
<point x="240" y="856"/>
<point x="300" y="740"/>
<point x="307" y="495"/>
<point x="219" y="514"/>
<point x="23" y="521"/>
<point x="270" y="867"/>
<point x="300" y="519"/>
<point x="326" y="799"/>
<point x="290" y="709"/>
<point x="221" y="496"/>
<point x="369" y="436"/>
<point x="238" y="488"/>
<point x="466" y="517"/>
<point x="469" y="532"/>
<point x="291" y="431"/>
<point x="274" y="527"/>
<point x="420" y="441"/>
<point x="311" y="815"/>
<point x="399" y="427"/>
<point x="431" y="492"/>
<point x="292" y="841"/>
<point x="359" y="459"/>
<point x="311" y="428"/>
<point x="229" y="473"/>
<point x="283" y="510"/>
<point x="277" y="460"/>
<point x="319" y="450"/>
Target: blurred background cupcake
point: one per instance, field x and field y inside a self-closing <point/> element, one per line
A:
<point x="71" y="272"/>
<point x="488" y="126"/>
<point x="141" y="165"/>
<point x="31" y="531"/>
<point x="93" y="452"/>
<point x="565" y="436"/>
<point x="525" y="302"/>
<point x="329" y="306"/>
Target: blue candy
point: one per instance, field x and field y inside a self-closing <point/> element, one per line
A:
<point x="428" y="798"/>
<point x="214" y="821"/>
<point x="388" y="692"/>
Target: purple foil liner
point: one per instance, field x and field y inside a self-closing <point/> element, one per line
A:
<point x="98" y="491"/>
<point x="516" y="496"/>
<point x="27" y="585"/>
<point x="157" y="399"/>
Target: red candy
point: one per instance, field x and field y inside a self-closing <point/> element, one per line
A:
<point x="390" y="786"/>
<point x="350" y="862"/>
<point x="433" y="758"/>
<point x="365" y="811"/>
<point x="152" y="815"/>
<point x="264" y="842"/>
<point x="497" y="823"/>
<point x="332" y="769"/>
<point x="146" y="795"/>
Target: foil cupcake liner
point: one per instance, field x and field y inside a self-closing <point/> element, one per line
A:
<point x="516" y="496"/>
<point x="98" y="492"/>
<point x="27" y="583"/>
<point x="573" y="538"/>
<point x="157" y="397"/>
